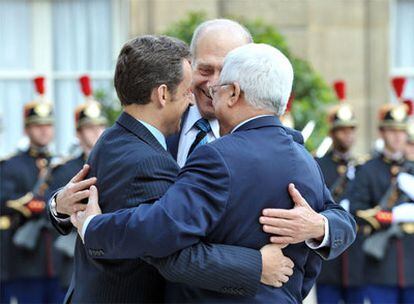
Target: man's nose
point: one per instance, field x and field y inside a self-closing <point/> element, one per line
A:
<point x="213" y="79"/>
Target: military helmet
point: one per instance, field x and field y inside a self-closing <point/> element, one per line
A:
<point x="38" y="111"/>
<point x="410" y="124"/>
<point x="90" y="112"/>
<point x="342" y="114"/>
<point x="395" y="114"/>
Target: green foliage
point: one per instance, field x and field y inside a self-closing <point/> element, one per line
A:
<point x="111" y="108"/>
<point x="312" y="94"/>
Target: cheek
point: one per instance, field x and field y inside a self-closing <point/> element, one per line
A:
<point x="218" y="107"/>
<point x="199" y="80"/>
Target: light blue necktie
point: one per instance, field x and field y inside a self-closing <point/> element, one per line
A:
<point x="204" y="127"/>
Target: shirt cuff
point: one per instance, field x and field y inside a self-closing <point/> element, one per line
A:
<point x="85" y="226"/>
<point x="315" y="244"/>
<point x="54" y="213"/>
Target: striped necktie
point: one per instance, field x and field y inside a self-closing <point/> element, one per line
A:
<point x="204" y="127"/>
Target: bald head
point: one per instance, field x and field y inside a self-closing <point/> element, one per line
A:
<point x="212" y="41"/>
<point x="224" y="28"/>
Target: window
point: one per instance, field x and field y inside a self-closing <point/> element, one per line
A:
<point x="402" y="42"/>
<point x="60" y="40"/>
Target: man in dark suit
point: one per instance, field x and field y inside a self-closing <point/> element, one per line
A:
<point x="133" y="167"/>
<point x="224" y="186"/>
<point x="211" y="42"/>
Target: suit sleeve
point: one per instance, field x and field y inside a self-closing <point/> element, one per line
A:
<point x="189" y="210"/>
<point x="221" y="268"/>
<point x="342" y="228"/>
<point x="56" y="182"/>
<point x="63" y="227"/>
<point x="312" y="270"/>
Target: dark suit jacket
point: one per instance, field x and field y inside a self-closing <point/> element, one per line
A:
<point x="132" y="168"/>
<point x="218" y="197"/>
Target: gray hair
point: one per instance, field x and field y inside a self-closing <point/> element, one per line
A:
<point x="218" y="24"/>
<point x="264" y="74"/>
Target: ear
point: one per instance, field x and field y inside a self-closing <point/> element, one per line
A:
<point x="235" y="96"/>
<point x="78" y="133"/>
<point x="26" y="130"/>
<point x="161" y="95"/>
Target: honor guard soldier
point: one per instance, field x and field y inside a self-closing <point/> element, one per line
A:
<point x="382" y="199"/>
<point x="409" y="149"/>
<point x="26" y="238"/>
<point x="90" y="123"/>
<point x="340" y="280"/>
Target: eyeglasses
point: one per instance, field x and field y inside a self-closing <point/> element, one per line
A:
<point x="212" y="90"/>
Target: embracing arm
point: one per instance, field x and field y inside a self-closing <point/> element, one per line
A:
<point x="342" y="229"/>
<point x="68" y="199"/>
<point x="188" y="211"/>
<point x="221" y="268"/>
<point x="333" y="228"/>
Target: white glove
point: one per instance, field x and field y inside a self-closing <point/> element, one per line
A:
<point x="406" y="183"/>
<point x="345" y="204"/>
<point x="403" y="213"/>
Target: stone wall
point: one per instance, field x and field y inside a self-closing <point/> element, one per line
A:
<point x="342" y="39"/>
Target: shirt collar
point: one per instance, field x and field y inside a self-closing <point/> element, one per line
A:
<point x="246" y="121"/>
<point x="193" y="116"/>
<point x="341" y="156"/>
<point x="156" y="133"/>
<point x="397" y="157"/>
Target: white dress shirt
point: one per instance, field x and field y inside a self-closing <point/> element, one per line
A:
<point x="189" y="133"/>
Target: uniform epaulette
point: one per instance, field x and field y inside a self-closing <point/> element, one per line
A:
<point x="58" y="161"/>
<point x="362" y="159"/>
<point x="8" y="156"/>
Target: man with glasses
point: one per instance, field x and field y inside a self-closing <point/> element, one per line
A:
<point x="224" y="183"/>
<point x="211" y="42"/>
<point x="133" y="167"/>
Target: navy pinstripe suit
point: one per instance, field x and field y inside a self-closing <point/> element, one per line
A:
<point x="218" y="197"/>
<point x="132" y="168"/>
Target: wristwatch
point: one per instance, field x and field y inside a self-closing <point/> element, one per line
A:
<point x="53" y="207"/>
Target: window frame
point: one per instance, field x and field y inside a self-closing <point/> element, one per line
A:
<point x="42" y="58"/>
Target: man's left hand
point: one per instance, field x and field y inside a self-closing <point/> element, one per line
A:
<point x="92" y="208"/>
<point x="295" y="225"/>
